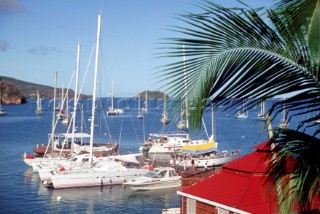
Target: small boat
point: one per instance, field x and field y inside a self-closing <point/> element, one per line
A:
<point x="158" y="178"/>
<point x="165" y="116"/>
<point x="182" y="124"/>
<point x="243" y="114"/>
<point x="111" y="110"/>
<point x="39" y="110"/>
<point x="2" y="111"/>
<point x="140" y="115"/>
<point x="262" y="115"/>
<point x="145" y="109"/>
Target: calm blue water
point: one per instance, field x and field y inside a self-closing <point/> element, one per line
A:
<point x="22" y="192"/>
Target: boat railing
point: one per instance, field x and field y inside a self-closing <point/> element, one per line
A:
<point x="188" y="179"/>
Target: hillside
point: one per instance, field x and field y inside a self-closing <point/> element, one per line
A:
<point x="151" y="94"/>
<point x="13" y="89"/>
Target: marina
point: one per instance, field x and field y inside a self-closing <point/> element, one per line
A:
<point x="22" y="130"/>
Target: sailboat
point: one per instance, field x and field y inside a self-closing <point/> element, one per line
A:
<point x="61" y="114"/>
<point x="60" y="148"/>
<point x="283" y="121"/>
<point x="2" y="112"/>
<point x="65" y="119"/>
<point x="145" y="109"/>
<point x="165" y="116"/>
<point x="262" y="114"/>
<point x="183" y="123"/>
<point x="243" y="114"/>
<point x="113" y="111"/>
<point x="140" y="115"/>
<point x="107" y="172"/>
<point x="206" y="155"/>
<point x="39" y="110"/>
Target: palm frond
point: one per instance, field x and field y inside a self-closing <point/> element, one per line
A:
<point x="294" y="168"/>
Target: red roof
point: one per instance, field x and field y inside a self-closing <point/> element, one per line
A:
<point x="240" y="185"/>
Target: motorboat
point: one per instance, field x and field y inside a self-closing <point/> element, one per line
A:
<point x="158" y="178"/>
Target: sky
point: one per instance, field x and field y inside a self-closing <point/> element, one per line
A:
<point x="40" y="37"/>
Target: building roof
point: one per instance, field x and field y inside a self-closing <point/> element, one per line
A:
<point x="239" y="186"/>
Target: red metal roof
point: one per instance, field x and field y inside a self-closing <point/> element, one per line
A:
<point x="241" y="185"/>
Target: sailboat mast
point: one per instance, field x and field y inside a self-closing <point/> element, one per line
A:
<point x="112" y="95"/>
<point x="146" y="101"/>
<point x="94" y="89"/>
<point x="185" y="86"/>
<point x="54" y="109"/>
<point x="212" y="123"/>
<point x="75" y="102"/>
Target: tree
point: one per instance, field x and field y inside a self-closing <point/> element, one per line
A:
<point x="257" y="53"/>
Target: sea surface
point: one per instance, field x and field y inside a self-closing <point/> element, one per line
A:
<point x="21" y="190"/>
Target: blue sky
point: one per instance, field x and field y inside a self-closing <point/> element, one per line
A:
<point x="39" y="38"/>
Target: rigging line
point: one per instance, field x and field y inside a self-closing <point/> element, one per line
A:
<point x="107" y="126"/>
<point x="88" y="65"/>
<point x="134" y="128"/>
<point x="205" y="128"/>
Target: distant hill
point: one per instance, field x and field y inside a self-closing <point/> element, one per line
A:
<point x="151" y="94"/>
<point x="11" y="88"/>
<point x="14" y="91"/>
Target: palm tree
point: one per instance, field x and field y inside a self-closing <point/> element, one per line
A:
<point x="243" y="53"/>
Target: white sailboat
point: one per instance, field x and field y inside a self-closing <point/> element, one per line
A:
<point x="65" y="118"/>
<point x="39" y="110"/>
<point x="243" y="114"/>
<point x="262" y="114"/>
<point x="206" y="158"/>
<point x="140" y="115"/>
<point x="145" y="108"/>
<point x="61" y="113"/>
<point x="183" y="123"/>
<point x="165" y="116"/>
<point x="108" y="172"/>
<point x="111" y="110"/>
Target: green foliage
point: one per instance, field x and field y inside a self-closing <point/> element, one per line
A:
<point x="250" y="53"/>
